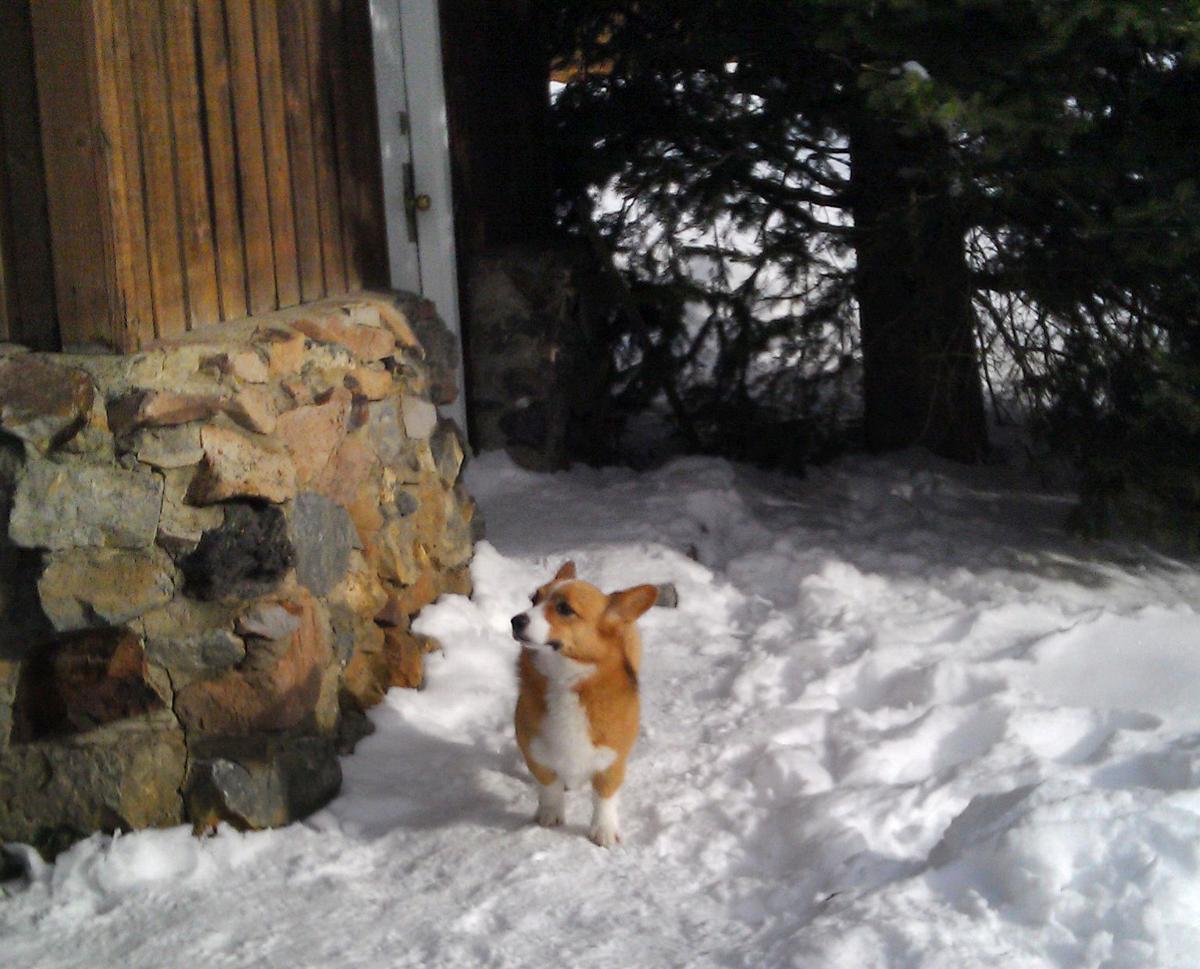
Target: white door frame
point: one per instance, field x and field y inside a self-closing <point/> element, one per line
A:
<point x="413" y="130"/>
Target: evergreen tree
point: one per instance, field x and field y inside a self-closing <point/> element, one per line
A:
<point x="910" y="175"/>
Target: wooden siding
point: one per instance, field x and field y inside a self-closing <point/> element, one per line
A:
<point x="204" y="160"/>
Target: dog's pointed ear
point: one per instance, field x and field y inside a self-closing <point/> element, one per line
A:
<point x="628" y="604"/>
<point x="566" y="571"/>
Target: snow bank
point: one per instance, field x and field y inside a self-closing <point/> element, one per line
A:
<point x="897" y="720"/>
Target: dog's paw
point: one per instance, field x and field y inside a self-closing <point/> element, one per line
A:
<point x="604" y="835"/>
<point x="549" y="815"/>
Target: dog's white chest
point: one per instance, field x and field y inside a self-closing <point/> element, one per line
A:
<point x="564" y="742"/>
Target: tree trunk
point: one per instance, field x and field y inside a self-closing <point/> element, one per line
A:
<point x="921" y="381"/>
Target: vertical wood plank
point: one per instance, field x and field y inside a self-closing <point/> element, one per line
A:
<point x="357" y="127"/>
<point x="195" y="219"/>
<point x="341" y="117"/>
<point x="256" y="217"/>
<point x="279" y="180"/>
<point x="132" y="255"/>
<point x="222" y="159"/>
<point x="158" y="168"/>
<point x="9" y="311"/>
<point x="328" y="202"/>
<point x="65" y="58"/>
<point x="294" y="54"/>
<point x="26" y="246"/>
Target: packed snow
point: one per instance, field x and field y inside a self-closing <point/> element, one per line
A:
<point x="897" y="720"/>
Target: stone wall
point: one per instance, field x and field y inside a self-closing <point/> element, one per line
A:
<point x="210" y="554"/>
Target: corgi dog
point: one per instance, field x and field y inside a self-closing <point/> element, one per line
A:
<point x="577" y="707"/>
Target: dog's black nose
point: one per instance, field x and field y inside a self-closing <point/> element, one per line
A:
<point x="519" y="622"/>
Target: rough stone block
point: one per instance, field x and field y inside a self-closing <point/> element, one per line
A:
<point x="261" y="783"/>
<point x="199" y="654"/>
<point x="385" y="432"/>
<point x="81" y="588"/>
<point x="247" y="365"/>
<point x="311" y="434"/>
<point x="373" y="384"/>
<point x="237" y="466"/>
<point x="159" y="408"/>
<point x="323" y="535"/>
<point x="368" y="343"/>
<point x="189" y="638"/>
<point x="122" y="776"/>
<point x="351" y="465"/>
<point x="245" y="557"/>
<point x="420" y="417"/>
<point x="278" y="696"/>
<point x="80" y="682"/>
<point x="43" y="404"/>
<point x="64" y="505"/>
<point x="253" y="409"/>
<point x="284" y="349"/>
<point x="447" y="450"/>
<point x="168" y="447"/>
<point x="267" y="620"/>
<point x="180" y="525"/>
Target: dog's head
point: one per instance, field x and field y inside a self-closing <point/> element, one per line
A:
<point x="574" y="619"/>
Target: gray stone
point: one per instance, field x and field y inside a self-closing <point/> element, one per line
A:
<point x="262" y="782"/>
<point x="447" y="449"/>
<point x="122" y="776"/>
<point x="189" y="638"/>
<point x="268" y="620"/>
<point x="87" y="587"/>
<point x="323" y="535"/>
<point x="169" y="447"/>
<point x="181" y="524"/>
<point x="63" y="505"/>
<point x="420" y="417"/>
<point x="385" y="430"/>
<point x="186" y="657"/>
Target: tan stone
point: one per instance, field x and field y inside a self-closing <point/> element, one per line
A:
<point x="89" y="586"/>
<point x="368" y="343"/>
<point x="311" y="434"/>
<point x="180" y="525"/>
<point x="348" y="468"/>
<point x="236" y="465"/>
<point x="370" y="383"/>
<point x="41" y="403"/>
<point x="288" y="692"/>
<point x="159" y="408"/>
<point x="394" y="319"/>
<point x="366" y="677"/>
<point x="246" y="365"/>
<point x="405" y="652"/>
<point x="253" y="409"/>
<point x="169" y="447"/>
<point x="360" y="591"/>
<point x="300" y="392"/>
<point x="284" y="349"/>
<point x="364" y="512"/>
<point x="392" y="551"/>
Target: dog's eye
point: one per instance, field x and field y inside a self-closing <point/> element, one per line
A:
<point x="535" y="599"/>
<point x="563" y="608"/>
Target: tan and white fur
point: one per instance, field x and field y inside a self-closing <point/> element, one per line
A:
<point x="577" y="706"/>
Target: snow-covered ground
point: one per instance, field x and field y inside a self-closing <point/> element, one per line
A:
<point x="898" y="720"/>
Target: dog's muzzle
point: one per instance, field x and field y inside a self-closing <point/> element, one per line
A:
<point x="520" y="622"/>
